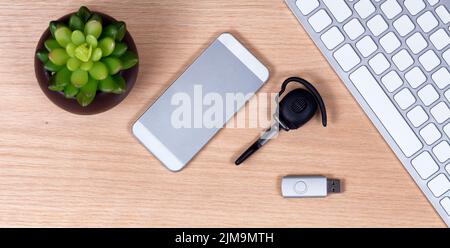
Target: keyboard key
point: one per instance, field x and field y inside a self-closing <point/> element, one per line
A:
<point x="332" y="38"/>
<point x="439" y="185"/>
<point x="390" y="42"/>
<point x="416" y="43"/>
<point x="446" y="56"/>
<point x="440" y="39"/>
<point x="447" y="131"/>
<point x="447" y="95"/>
<point x="414" y="6"/>
<point x="433" y="2"/>
<point x="366" y="46"/>
<point x="386" y="112"/>
<point x="428" y="95"/>
<point x="415" y="77"/>
<point x="364" y="8"/>
<point x="430" y="134"/>
<point x="346" y="57"/>
<point x="320" y="20"/>
<point x="429" y="60"/>
<point x="440" y="112"/>
<point x="445" y="203"/>
<point x="443" y="14"/>
<point x="307" y="6"/>
<point x="427" y="21"/>
<point x="339" y="9"/>
<point x="441" y="77"/>
<point x="405" y="98"/>
<point x="442" y="151"/>
<point x="391" y="8"/>
<point x="379" y="63"/>
<point x="354" y="29"/>
<point x="402" y="60"/>
<point x="425" y="165"/>
<point x="377" y="25"/>
<point x="404" y="25"/>
<point x="417" y="116"/>
<point x="392" y="81"/>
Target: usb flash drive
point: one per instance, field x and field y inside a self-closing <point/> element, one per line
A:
<point x="309" y="186"/>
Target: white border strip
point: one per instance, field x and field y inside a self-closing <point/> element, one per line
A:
<point x="252" y="63"/>
<point x="156" y="147"/>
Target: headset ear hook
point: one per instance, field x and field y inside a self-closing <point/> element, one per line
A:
<point x="312" y="90"/>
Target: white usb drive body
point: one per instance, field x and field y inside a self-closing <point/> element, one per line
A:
<point x="309" y="186"/>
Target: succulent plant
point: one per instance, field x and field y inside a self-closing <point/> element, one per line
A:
<point x="83" y="56"/>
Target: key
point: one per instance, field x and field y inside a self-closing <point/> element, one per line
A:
<point x="339" y="9"/>
<point x="320" y="20"/>
<point x="447" y="95"/>
<point x="404" y="25"/>
<point x="429" y="60"/>
<point x="430" y="133"/>
<point x="446" y="56"/>
<point x="307" y="6"/>
<point x="445" y="203"/>
<point x="353" y="29"/>
<point x="425" y="165"/>
<point x="364" y="8"/>
<point x="391" y="8"/>
<point x="416" y="43"/>
<point x="377" y="25"/>
<point x="447" y="129"/>
<point x="417" y="116"/>
<point x="390" y="42"/>
<point x="427" y="21"/>
<point x="415" y="77"/>
<point x="441" y="77"/>
<point x="332" y="38"/>
<point x="428" y="95"/>
<point x="386" y="112"/>
<point x="440" y="39"/>
<point x="443" y="14"/>
<point x="414" y="6"/>
<point x="379" y="63"/>
<point x="366" y="46"/>
<point x="433" y="2"/>
<point x="402" y="60"/>
<point x="405" y="98"/>
<point x="346" y="57"/>
<point x="440" y="112"/>
<point x="392" y="81"/>
<point x="442" y="151"/>
<point x="439" y="185"/>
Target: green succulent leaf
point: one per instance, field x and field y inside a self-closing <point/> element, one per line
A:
<point x="49" y="66"/>
<point x="63" y="36"/>
<point x="99" y="71"/>
<point x="107" y="45"/>
<point x="62" y="77"/>
<point x="91" y="40"/>
<point x="58" y="56"/>
<point x="73" y="64"/>
<point x="90" y="88"/>
<point x="107" y="85"/>
<point x="70" y="91"/>
<point x="94" y="28"/>
<point x="78" y="37"/>
<point x="42" y="55"/>
<point x="79" y="78"/>
<point x="114" y="64"/>
<point x="51" y="44"/>
<point x="121" y="85"/>
<point x="120" y="49"/>
<point x="83" y="52"/>
<point x="86" y="66"/>
<point x="96" y="17"/>
<point x="97" y="54"/>
<point x="85" y="100"/>
<point x="76" y="23"/>
<point x="84" y="13"/>
<point x="110" y="31"/>
<point x="121" y="30"/>
<point x="70" y="49"/>
<point x="129" y="59"/>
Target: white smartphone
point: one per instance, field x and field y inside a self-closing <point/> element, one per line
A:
<point x="175" y="128"/>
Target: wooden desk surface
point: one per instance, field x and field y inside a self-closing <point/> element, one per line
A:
<point x="60" y="169"/>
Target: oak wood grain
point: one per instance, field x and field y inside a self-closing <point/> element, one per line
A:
<point x="60" y="169"/>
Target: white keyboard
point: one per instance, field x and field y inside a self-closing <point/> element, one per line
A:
<point x="394" y="56"/>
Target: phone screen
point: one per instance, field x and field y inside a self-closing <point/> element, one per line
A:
<point x="194" y="108"/>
